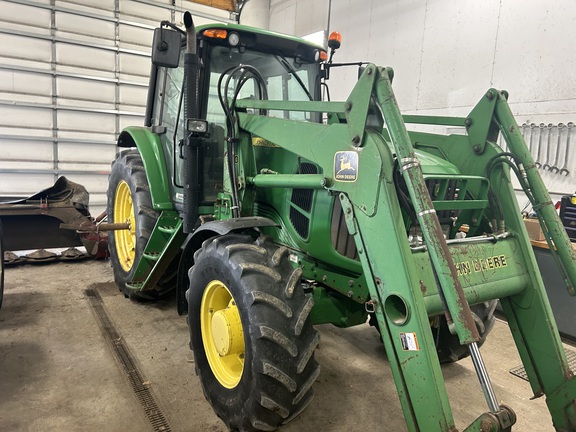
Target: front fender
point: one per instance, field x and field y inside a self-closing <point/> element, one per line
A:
<point x="194" y="242"/>
<point x="150" y="148"/>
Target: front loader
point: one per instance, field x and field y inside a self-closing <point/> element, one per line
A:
<point x="270" y="210"/>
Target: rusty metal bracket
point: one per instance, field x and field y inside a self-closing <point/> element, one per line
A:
<point x="499" y="421"/>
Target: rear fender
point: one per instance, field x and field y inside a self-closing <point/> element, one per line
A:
<point x="150" y="149"/>
<point x="194" y="242"/>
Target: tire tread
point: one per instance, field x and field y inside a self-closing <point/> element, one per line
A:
<point x="280" y="332"/>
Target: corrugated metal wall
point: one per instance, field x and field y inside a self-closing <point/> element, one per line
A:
<point x="72" y="75"/>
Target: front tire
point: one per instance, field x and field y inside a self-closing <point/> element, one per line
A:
<point x="448" y="346"/>
<point x="251" y="333"/>
<point x="129" y="201"/>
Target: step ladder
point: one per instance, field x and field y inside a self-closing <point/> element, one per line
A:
<point x="162" y="247"/>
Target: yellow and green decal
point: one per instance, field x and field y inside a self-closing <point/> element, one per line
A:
<point x="346" y="166"/>
<point x="481" y="264"/>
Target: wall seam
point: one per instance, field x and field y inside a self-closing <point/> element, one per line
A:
<point x="495" y="44"/>
<point x="421" y="56"/>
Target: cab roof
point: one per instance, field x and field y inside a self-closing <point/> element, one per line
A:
<point x="251" y="37"/>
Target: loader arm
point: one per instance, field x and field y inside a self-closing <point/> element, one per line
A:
<point x="438" y="276"/>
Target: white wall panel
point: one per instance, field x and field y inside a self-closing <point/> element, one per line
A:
<point x="398" y="45"/>
<point x="132" y="95"/>
<point x="447" y="53"/>
<point x="539" y="60"/>
<point x="134" y="65"/>
<point x="452" y="75"/>
<point x="283" y="19"/>
<point x="86" y="121"/>
<point x="96" y="4"/>
<point x="81" y="26"/>
<point x="25" y="183"/>
<point x="15" y="165"/>
<point x="104" y="138"/>
<point x="19" y="47"/>
<point x="256" y="13"/>
<point x="32" y="150"/>
<point x="85" y="57"/>
<point x="29" y="16"/>
<point x="23" y="118"/>
<point x="93" y="153"/>
<point x="136" y="35"/>
<point x="298" y="17"/>
<point x="85" y="90"/>
<point x="153" y="14"/>
<point x="22" y="83"/>
<point x="95" y="184"/>
<point x="125" y="121"/>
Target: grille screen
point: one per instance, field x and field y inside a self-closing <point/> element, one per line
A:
<point x="342" y="241"/>
<point x="302" y="203"/>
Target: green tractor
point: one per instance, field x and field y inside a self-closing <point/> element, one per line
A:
<point x="270" y="210"/>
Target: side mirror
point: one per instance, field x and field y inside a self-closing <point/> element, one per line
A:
<point x="166" y="47"/>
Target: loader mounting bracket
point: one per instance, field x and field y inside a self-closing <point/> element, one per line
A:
<point x="499" y="421"/>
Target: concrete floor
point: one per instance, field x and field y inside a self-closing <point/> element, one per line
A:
<point x="57" y="372"/>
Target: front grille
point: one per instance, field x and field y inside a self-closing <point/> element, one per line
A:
<point x="301" y="203"/>
<point x="342" y="241"/>
<point x="300" y="222"/>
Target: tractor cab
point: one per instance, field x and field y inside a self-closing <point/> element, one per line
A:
<point x="289" y="69"/>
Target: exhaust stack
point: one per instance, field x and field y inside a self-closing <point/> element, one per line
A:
<point x="192" y="141"/>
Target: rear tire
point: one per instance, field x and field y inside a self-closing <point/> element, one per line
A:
<point x="261" y="376"/>
<point x="129" y="201"/>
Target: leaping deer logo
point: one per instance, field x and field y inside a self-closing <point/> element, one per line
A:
<point x="345" y="164"/>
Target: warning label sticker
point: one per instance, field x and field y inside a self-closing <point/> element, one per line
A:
<point x="409" y="342"/>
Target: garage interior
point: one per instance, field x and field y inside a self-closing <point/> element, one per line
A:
<point x="76" y="354"/>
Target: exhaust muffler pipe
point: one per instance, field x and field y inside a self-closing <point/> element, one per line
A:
<point x="191" y="141"/>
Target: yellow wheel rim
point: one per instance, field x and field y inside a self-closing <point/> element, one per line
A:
<point x="124" y="213"/>
<point x="222" y="334"/>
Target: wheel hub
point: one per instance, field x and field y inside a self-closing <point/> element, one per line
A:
<point x="124" y="213"/>
<point x="227" y="334"/>
<point x="222" y="334"/>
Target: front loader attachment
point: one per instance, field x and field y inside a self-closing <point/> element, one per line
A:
<point x="416" y="265"/>
<point x="527" y="311"/>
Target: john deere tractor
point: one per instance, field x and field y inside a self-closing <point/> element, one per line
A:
<point x="270" y="210"/>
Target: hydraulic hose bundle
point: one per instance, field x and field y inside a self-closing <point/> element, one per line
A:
<point x="245" y="73"/>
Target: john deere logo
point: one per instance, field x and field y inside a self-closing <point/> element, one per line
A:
<point x="346" y="166"/>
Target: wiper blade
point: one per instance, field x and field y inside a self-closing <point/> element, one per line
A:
<point x="290" y="69"/>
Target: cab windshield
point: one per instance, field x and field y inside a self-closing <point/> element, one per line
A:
<point x="286" y="79"/>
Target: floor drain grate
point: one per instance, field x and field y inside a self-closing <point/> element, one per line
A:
<point x="121" y="352"/>
<point x="520" y="372"/>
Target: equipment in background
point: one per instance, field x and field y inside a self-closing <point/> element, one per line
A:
<point x="56" y="217"/>
<point x="568" y="215"/>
